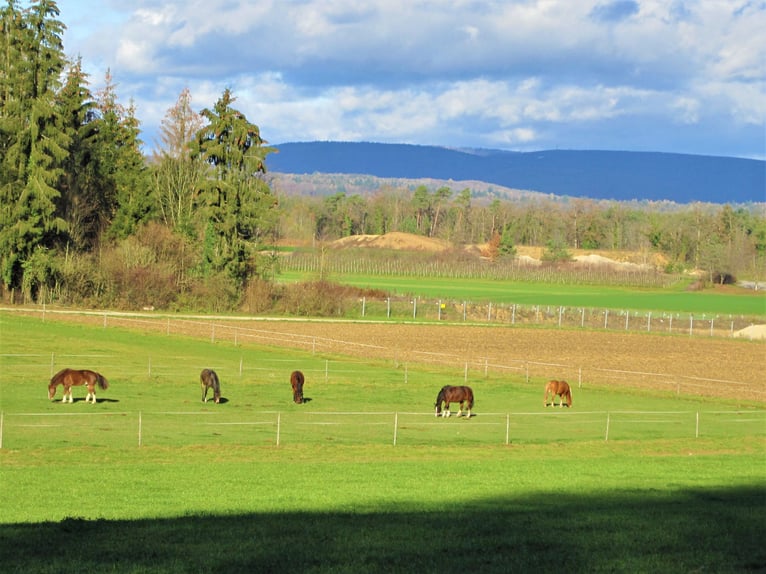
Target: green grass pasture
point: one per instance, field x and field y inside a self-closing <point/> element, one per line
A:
<point x="363" y="477"/>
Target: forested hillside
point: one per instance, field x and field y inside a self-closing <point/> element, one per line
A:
<point x="617" y="175"/>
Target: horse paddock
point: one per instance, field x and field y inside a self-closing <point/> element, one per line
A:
<point x="699" y="365"/>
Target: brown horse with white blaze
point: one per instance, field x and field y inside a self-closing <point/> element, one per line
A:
<point x="296" y="382"/>
<point x="74" y="378"/>
<point x="560" y="388"/>
<point x="449" y="394"/>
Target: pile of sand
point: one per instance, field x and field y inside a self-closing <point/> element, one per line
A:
<point x="752" y="332"/>
<point x="394" y="240"/>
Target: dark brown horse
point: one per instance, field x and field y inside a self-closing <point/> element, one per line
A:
<point x="560" y="388"/>
<point x="449" y="394"/>
<point x="209" y="380"/>
<point x="296" y="382"/>
<point x="74" y="378"/>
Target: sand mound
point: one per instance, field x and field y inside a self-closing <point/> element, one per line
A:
<point x="394" y="240"/>
<point x="752" y="332"/>
<point x="593" y="260"/>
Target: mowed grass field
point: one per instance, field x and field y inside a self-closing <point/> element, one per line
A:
<point x="723" y="301"/>
<point x="361" y="478"/>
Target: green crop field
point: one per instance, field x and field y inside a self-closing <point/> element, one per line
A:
<point x="362" y="477"/>
<point x="675" y="299"/>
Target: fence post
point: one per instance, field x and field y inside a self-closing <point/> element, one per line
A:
<point x="396" y="425"/>
<point x="507" y="428"/>
<point x="326" y="369"/>
<point x="606" y="437"/>
<point x="582" y="317"/>
<point x="241" y="359"/>
<point x="279" y="424"/>
<point x="513" y="315"/>
<point x="364" y="304"/>
<point x="561" y="311"/>
<point x="388" y="307"/>
<point x="697" y="426"/>
<point x="649" y="322"/>
<point x="606" y="317"/>
<point x="691" y="324"/>
<point x="464" y="311"/>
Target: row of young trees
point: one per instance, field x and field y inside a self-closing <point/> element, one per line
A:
<point x="74" y="180"/>
<point x="86" y="217"/>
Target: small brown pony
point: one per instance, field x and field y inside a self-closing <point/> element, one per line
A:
<point x="74" y="378"/>
<point x="209" y="380"/>
<point x="560" y="388"/>
<point x="296" y="381"/>
<point x="449" y="394"/>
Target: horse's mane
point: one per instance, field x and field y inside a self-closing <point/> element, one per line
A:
<point x="57" y="378"/>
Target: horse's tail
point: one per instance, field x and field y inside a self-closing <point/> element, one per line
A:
<point x="470" y="398"/>
<point x="569" y="396"/>
<point x="102" y="382"/>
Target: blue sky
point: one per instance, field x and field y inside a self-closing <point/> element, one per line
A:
<point x="640" y="75"/>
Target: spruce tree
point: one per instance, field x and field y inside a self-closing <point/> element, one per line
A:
<point x="236" y="201"/>
<point x="33" y="145"/>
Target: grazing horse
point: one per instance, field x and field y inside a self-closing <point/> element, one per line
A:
<point x="74" y="378"/>
<point x="560" y="388"/>
<point x="209" y="379"/>
<point x="296" y="381"/>
<point x="449" y="394"/>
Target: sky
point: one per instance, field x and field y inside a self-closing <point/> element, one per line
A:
<point x="524" y="75"/>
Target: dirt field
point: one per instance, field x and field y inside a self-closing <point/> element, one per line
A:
<point x="676" y="356"/>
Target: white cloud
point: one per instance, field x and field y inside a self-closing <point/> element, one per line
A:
<point x="545" y="72"/>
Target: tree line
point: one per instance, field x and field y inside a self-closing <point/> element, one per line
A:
<point x="87" y="218"/>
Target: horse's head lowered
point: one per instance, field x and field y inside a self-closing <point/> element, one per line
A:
<point x="439" y="401"/>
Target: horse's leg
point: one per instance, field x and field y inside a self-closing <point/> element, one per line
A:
<point x="445" y="412"/>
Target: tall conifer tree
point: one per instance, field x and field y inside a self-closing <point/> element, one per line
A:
<point x="33" y="144"/>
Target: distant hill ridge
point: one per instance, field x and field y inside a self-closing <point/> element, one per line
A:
<point x="617" y="175"/>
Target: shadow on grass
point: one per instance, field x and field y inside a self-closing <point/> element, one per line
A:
<point x="637" y="531"/>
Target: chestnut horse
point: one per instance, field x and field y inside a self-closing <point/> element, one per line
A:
<point x="449" y="394"/>
<point x="560" y="388"/>
<point x="74" y="378"/>
<point x="296" y="381"/>
<point x="209" y="379"/>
